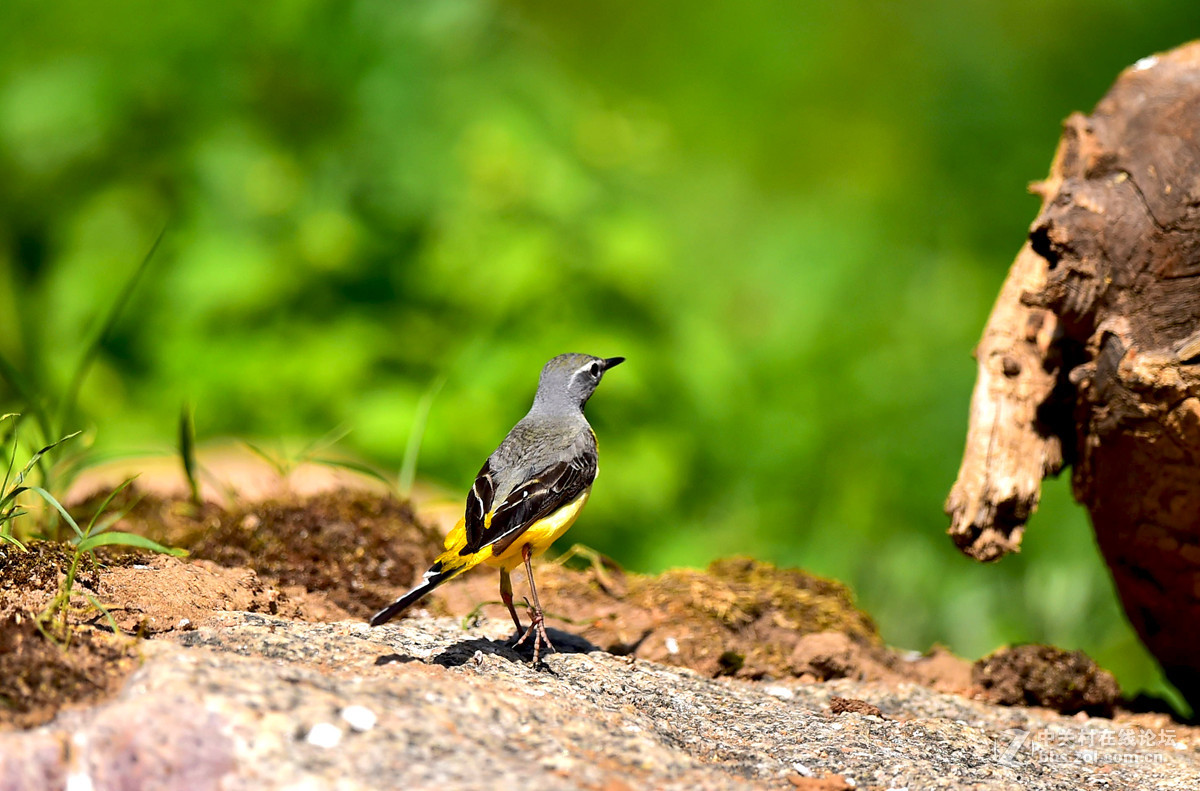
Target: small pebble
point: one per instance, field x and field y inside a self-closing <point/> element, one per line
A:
<point x="779" y="692"/>
<point x="324" y="734"/>
<point x="360" y="718"/>
<point x="79" y="781"/>
<point x="672" y="646"/>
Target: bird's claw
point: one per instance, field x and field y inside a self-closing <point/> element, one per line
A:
<point x="537" y="628"/>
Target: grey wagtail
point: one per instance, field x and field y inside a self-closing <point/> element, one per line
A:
<point x="529" y="491"/>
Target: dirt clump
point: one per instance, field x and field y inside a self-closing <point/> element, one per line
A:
<point x="29" y="578"/>
<point x="826" y="655"/>
<point x="355" y="547"/>
<point x="1041" y="675"/>
<point x="164" y="594"/>
<point x="143" y="595"/>
<point x="938" y="669"/>
<point x="739" y="617"/>
<point x="853" y="706"/>
<point x="39" y="677"/>
<point x="172" y="521"/>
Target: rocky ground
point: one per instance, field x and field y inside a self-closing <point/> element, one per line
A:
<point x="248" y="665"/>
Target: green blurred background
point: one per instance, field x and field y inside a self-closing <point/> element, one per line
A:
<point x="792" y="218"/>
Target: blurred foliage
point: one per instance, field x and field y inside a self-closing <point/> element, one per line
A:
<point x="792" y="218"/>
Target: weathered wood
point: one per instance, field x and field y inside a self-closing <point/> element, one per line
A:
<point x="1008" y="451"/>
<point x="1111" y="379"/>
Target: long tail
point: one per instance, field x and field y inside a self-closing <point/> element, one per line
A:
<point x="431" y="580"/>
<point x="447" y="566"/>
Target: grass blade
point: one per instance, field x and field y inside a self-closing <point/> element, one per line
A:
<point x="26" y="391"/>
<point x="281" y="467"/>
<point x="331" y="438"/>
<point x="355" y="466"/>
<point x="49" y="498"/>
<point x="12" y="459"/>
<point x="12" y="495"/>
<point x="67" y="406"/>
<point x="33" y="460"/>
<point x="187" y="451"/>
<point x="104" y="507"/>
<point x="74" y="466"/>
<point x="112" y="622"/>
<point x="117" y="537"/>
<point x="408" y="468"/>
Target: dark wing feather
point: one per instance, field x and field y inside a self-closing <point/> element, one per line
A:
<point x="537" y="498"/>
<point x="479" y="502"/>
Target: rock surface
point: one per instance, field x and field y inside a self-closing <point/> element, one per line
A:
<point x="251" y="701"/>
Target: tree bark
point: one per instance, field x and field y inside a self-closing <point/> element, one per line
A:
<point x="1091" y="357"/>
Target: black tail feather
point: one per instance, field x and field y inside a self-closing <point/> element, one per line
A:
<point x="432" y="580"/>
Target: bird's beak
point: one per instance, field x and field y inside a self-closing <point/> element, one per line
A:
<point x="613" y="362"/>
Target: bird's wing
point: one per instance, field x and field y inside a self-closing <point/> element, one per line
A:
<point x="536" y="498"/>
<point x="479" y="504"/>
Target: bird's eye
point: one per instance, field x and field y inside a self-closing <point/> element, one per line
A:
<point x="594" y="369"/>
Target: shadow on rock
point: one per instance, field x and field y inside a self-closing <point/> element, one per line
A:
<point x="564" y="643"/>
<point x="395" y="659"/>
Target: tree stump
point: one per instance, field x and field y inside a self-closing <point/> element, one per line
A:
<point x="1091" y="357"/>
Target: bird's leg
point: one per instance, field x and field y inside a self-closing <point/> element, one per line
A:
<point x="506" y="596"/>
<point x="538" y="625"/>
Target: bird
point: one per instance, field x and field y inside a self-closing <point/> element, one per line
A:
<point x="527" y="494"/>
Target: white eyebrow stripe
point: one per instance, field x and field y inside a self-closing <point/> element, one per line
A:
<point x="577" y="373"/>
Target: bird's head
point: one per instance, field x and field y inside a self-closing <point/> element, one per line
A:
<point x="570" y="379"/>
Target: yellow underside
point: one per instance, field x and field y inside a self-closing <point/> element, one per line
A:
<point x="539" y="536"/>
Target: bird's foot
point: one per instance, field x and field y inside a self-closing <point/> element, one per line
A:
<point x="537" y="628"/>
